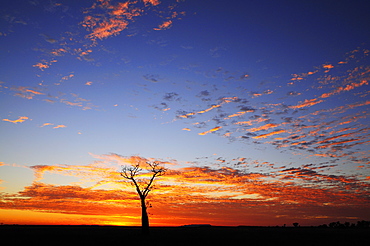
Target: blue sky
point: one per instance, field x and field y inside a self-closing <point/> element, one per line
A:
<point x="197" y="83"/>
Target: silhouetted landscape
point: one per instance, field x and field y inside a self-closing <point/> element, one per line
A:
<point x="185" y="235"/>
<point x="219" y="122"/>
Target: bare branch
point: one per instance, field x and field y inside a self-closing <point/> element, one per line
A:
<point x="156" y="168"/>
<point x="132" y="173"/>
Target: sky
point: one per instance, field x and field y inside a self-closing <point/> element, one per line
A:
<point x="258" y="109"/>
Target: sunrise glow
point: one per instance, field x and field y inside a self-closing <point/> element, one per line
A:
<point x="258" y="110"/>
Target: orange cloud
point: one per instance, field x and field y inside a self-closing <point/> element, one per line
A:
<point x="49" y="100"/>
<point x="59" y="126"/>
<point x="327" y="66"/>
<point x="335" y="137"/>
<point x="345" y="88"/>
<point x="337" y="143"/>
<point x="296" y="78"/>
<point x="51" y="124"/>
<point x="200" y="112"/>
<point x="78" y="101"/>
<point x="302" y="75"/>
<point x="120" y="9"/>
<point x="44" y="65"/>
<point x="208" y="109"/>
<point x="46" y="124"/>
<point x="67" y="77"/>
<point x="25" y="92"/>
<point x="19" y="120"/>
<point x="105" y="19"/>
<point x="269" y="134"/>
<point x="113" y="22"/>
<point x="228" y="99"/>
<point x="79" y="104"/>
<point x="35" y="92"/>
<point x="359" y="104"/>
<point x="307" y="103"/>
<point x="107" y="28"/>
<point x="236" y="114"/>
<point x="41" y="66"/>
<point x="165" y="25"/>
<point x="58" y="52"/>
<point x="209" y="131"/>
<point x="264" y="127"/>
<point x="251" y="122"/>
<point x="223" y="101"/>
<point x="153" y="2"/>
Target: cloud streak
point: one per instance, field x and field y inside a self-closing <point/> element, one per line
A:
<point x="21" y="119"/>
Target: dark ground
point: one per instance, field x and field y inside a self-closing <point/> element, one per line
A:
<point x="112" y="235"/>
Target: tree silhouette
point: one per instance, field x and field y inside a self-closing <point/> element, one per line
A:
<point x="142" y="179"/>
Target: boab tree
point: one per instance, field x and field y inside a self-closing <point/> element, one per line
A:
<point x="142" y="179"/>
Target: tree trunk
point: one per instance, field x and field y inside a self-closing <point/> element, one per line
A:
<point x="144" y="218"/>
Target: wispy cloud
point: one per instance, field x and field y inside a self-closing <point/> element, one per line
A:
<point x="152" y="77"/>
<point x="269" y="134"/>
<point x="21" y="119"/>
<point x="165" y="25"/>
<point x="44" y="64"/>
<point x="52" y="124"/>
<point x="152" y="2"/>
<point x="307" y="103"/>
<point x="26" y="92"/>
<point x="46" y="124"/>
<point x="67" y="77"/>
<point x="211" y="130"/>
<point x="58" y="52"/>
<point x="41" y="66"/>
<point x="75" y="100"/>
<point x="59" y="126"/>
<point x="264" y="127"/>
<point x="222" y="100"/>
<point x="348" y="87"/>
